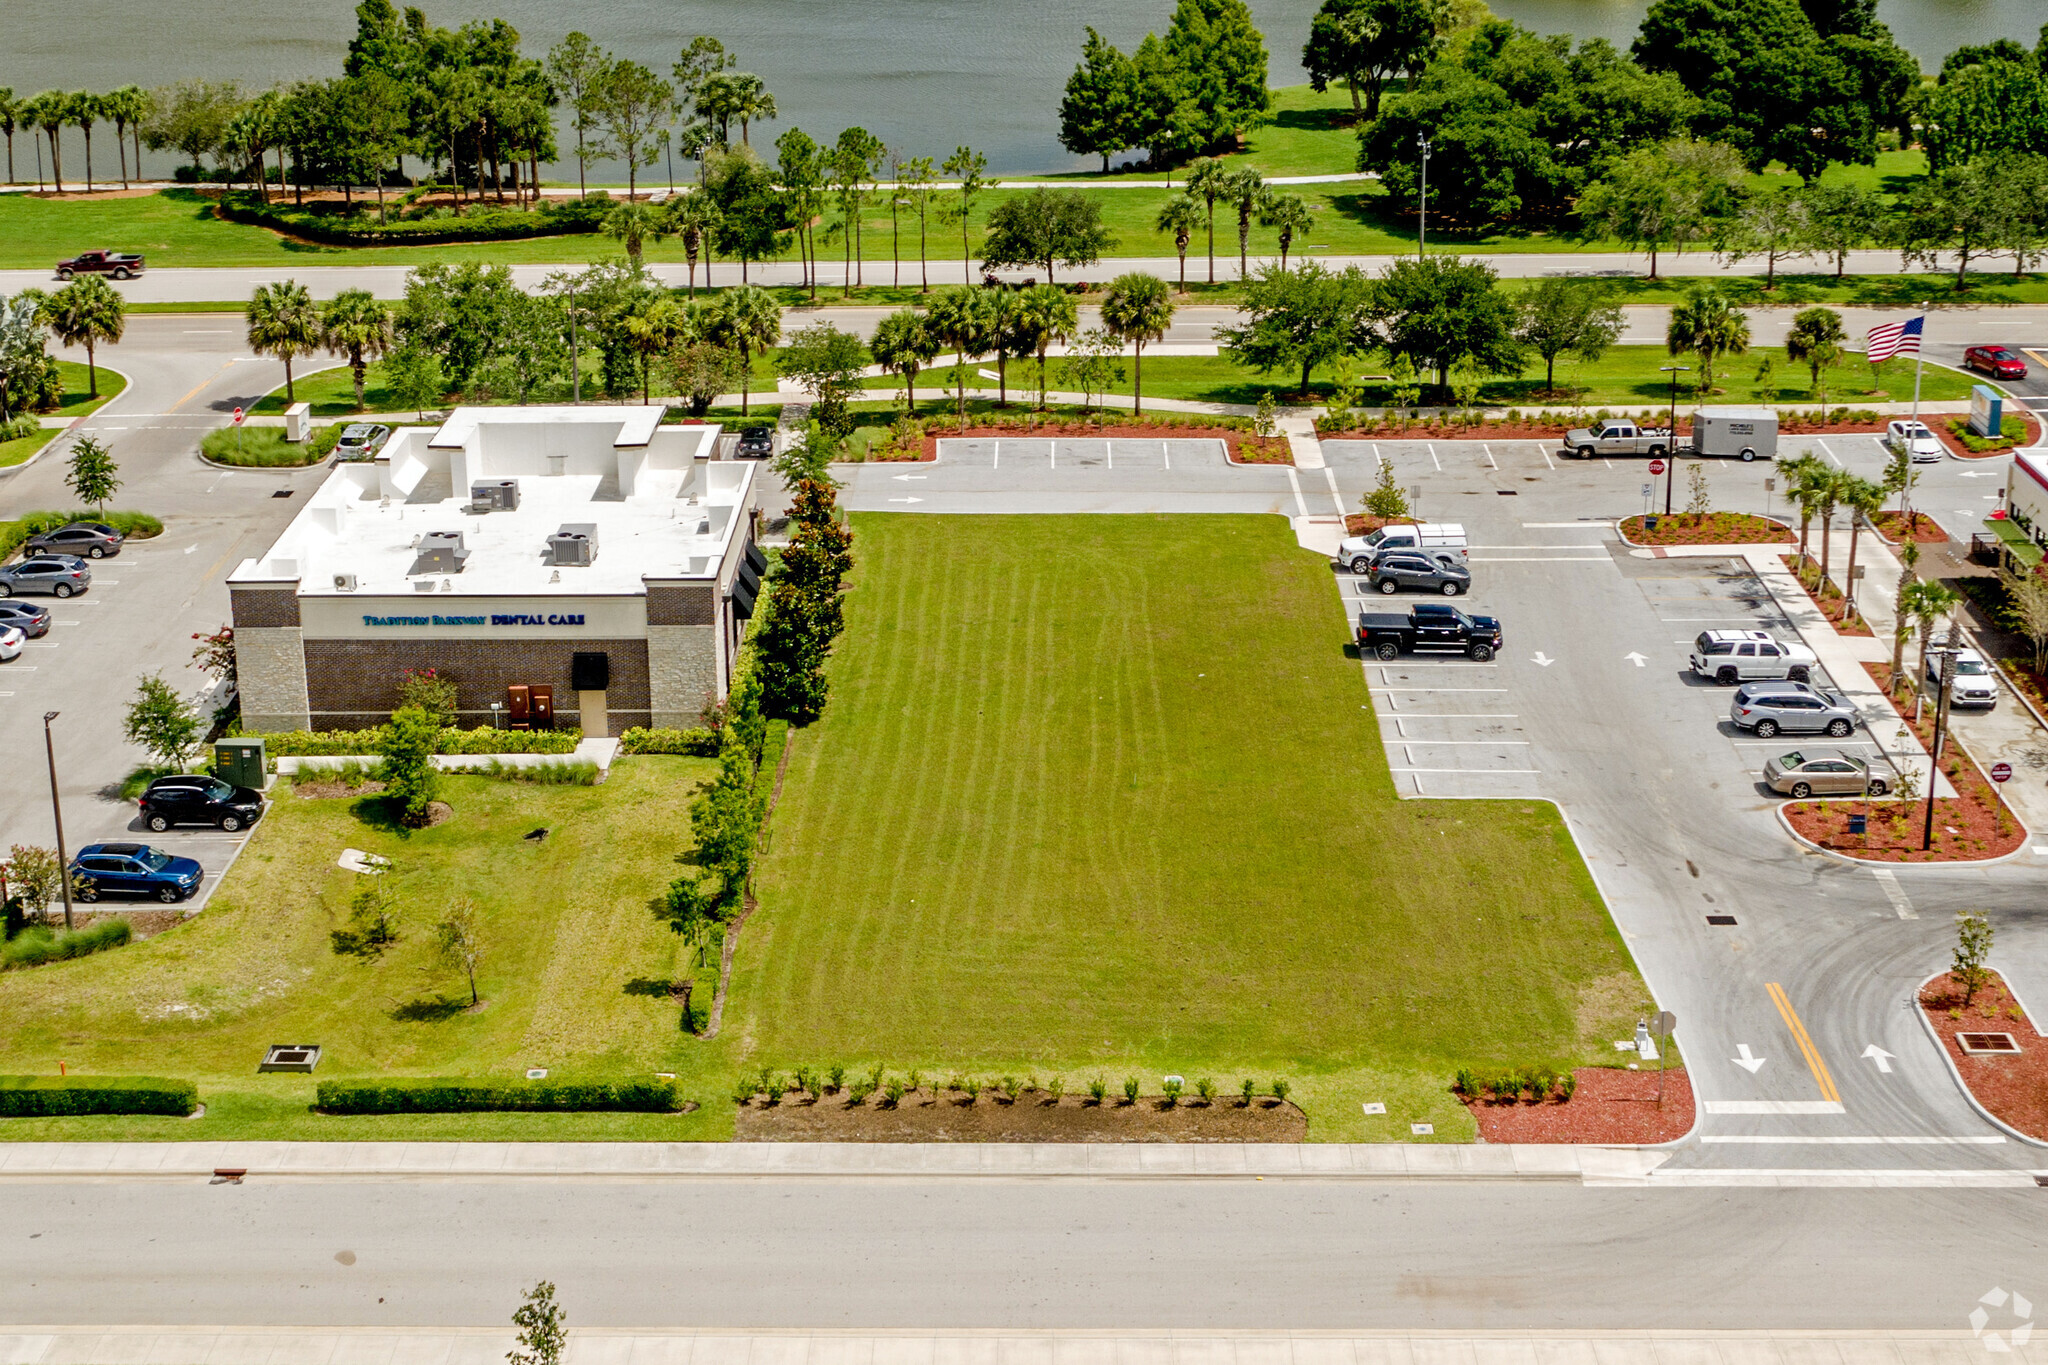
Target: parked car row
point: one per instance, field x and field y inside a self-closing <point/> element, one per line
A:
<point x="52" y="565"/>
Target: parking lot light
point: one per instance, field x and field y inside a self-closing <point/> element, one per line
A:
<point x="1671" y="424"/>
<point x="57" y="812"/>
<point x="1945" y="679"/>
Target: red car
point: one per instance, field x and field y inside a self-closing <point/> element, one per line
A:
<point x="2000" y="362"/>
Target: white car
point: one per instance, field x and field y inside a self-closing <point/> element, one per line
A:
<point x="10" y="642"/>
<point x="1975" y="683"/>
<point x="1924" y="446"/>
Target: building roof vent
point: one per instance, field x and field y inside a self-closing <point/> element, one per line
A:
<point x="574" y="545"/>
<point x="440" y="552"/>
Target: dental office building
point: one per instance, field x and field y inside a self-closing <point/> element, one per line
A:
<point x="587" y="552"/>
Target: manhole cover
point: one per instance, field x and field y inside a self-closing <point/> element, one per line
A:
<point x="1988" y="1042"/>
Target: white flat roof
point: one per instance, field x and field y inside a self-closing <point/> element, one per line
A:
<point x="661" y="508"/>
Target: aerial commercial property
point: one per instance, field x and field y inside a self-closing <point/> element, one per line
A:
<point x="585" y="563"/>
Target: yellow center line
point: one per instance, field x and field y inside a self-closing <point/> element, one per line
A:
<point x="195" y="392"/>
<point x="1805" y="1041"/>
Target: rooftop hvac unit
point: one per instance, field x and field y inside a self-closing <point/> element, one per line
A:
<point x="440" y="552"/>
<point x="574" y="545"/>
<point x="344" y="582"/>
<point x="494" y="495"/>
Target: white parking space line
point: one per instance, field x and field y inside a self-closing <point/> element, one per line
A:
<point x="1544" y="451"/>
<point x="1487" y="450"/>
<point x="1404" y="691"/>
<point x="1469" y="772"/>
<point x="1587" y="524"/>
<point x="1330" y="477"/>
<point x="1825" y="451"/>
<point x="1888" y="880"/>
<point x="1294" y="482"/>
<point x="1434" y="460"/>
<point x="1772" y="1107"/>
<point x="1789" y="1140"/>
<point x="1411" y="739"/>
<point x="1543" y="559"/>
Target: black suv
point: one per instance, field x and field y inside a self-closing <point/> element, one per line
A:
<point x="199" y="801"/>
<point x="1397" y="569"/>
<point x="756" y="443"/>
<point x="93" y="539"/>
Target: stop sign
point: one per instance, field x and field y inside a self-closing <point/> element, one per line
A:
<point x="1656" y="466"/>
<point x="2000" y="771"/>
<point x="238" y="417"/>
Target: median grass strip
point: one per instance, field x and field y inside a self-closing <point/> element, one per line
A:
<point x="266" y="447"/>
<point x="1107" y="794"/>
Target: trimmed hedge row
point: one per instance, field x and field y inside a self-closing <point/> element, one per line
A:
<point x="455" y="1096"/>
<point x="554" y="218"/>
<point x="369" y="743"/>
<point x="24" y="1097"/>
<point x="135" y="525"/>
<point x="695" y="743"/>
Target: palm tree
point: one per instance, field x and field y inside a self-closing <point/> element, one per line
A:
<point x="283" y="322"/>
<point x="653" y="328"/>
<point x="1180" y="216"/>
<point x="355" y="325"/>
<point x="124" y="108"/>
<point x="1706" y="324"/>
<point x="902" y="344"/>
<point x="1046" y="313"/>
<point x="1930" y="602"/>
<point x="1802" y="474"/>
<point x="692" y="217"/>
<point x="1290" y="214"/>
<point x="47" y="111"/>
<point x="84" y="313"/>
<point x="1208" y="180"/>
<point x="1815" y="340"/>
<point x="87" y="109"/>
<point x="1244" y="187"/>
<point x="1863" y="498"/>
<point x="10" y="118"/>
<point x="633" y="224"/>
<point x="1827" y="495"/>
<point x="751" y="100"/>
<point x="959" y="318"/>
<point x="1902" y="617"/>
<point x="744" y="319"/>
<point x="1137" y="308"/>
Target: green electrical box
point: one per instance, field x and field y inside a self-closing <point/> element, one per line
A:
<point x="242" y="762"/>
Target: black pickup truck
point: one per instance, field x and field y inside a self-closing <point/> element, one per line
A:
<point x="1432" y="627"/>
<point x="120" y="264"/>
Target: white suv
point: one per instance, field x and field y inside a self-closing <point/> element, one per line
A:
<point x="1924" y="446"/>
<point x="1738" y="656"/>
<point x="1975" y="683"/>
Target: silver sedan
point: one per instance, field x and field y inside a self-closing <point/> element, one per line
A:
<point x="1821" y="772"/>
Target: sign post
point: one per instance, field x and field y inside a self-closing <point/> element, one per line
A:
<point x="2001" y="772"/>
<point x="1662" y="1026"/>
<point x="238" y="431"/>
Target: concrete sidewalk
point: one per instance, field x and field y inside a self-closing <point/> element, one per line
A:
<point x="203" y="1345"/>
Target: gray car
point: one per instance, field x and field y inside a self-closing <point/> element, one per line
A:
<point x="1791" y="708"/>
<point x="1821" y="772"/>
<point x="92" y="539"/>
<point x="1394" y="570"/>
<point x="57" y="575"/>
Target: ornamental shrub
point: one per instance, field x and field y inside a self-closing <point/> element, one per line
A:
<point x="697" y="742"/>
<point x="51" y="1096"/>
<point x="36" y="946"/>
<point x="455" y="1095"/>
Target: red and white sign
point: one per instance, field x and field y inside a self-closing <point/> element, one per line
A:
<point x="238" y="417"/>
<point x="1656" y="466"/>
<point x="2001" y="771"/>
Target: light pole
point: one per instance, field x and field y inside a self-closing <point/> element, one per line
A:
<point x="57" y="812"/>
<point x="1947" y="676"/>
<point x="1671" y="450"/>
<point x="1422" y="210"/>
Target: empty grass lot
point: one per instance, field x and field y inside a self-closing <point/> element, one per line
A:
<point x="1104" y="795"/>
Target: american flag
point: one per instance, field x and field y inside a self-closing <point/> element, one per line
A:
<point x="1893" y="338"/>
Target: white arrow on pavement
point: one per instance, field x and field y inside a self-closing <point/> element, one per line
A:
<point x="904" y="478"/>
<point x="1634" y="658"/>
<point x="1747" y="1061"/>
<point x="906" y="500"/>
<point x="1542" y="660"/>
<point x="1881" y="1057"/>
<point x="1981" y="474"/>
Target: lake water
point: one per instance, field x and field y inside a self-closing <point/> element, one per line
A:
<point x="925" y="75"/>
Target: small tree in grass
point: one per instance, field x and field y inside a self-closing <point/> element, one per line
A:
<point x="1386" y="500"/>
<point x="543" y="1328"/>
<point x="372" y="924"/>
<point x="1699" y="502"/>
<point x="162" y="722"/>
<point x="410" y="778"/>
<point x="414" y="376"/>
<point x="92" y="475"/>
<point x="34" y="876"/>
<point x="458" y="939"/>
<point x="1973" y="948"/>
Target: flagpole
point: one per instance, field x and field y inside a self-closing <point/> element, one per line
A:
<point x="1919" y="358"/>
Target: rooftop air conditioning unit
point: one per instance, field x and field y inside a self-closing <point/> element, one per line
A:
<point x="575" y="545"/>
<point x="344" y="582"/>
<point x="440" y="552"/>
<point x="494" y="495"/>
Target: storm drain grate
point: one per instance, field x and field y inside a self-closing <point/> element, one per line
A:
<point x="1988" y="1042"/>
<point x="282" y="493"/>
<point x="1721" y="919"/>
<point x="1509" y="492"/>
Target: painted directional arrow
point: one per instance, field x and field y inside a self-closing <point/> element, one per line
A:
<point x="904" y="478"/>
<point x="1542" y="660"/>
<point x="1981" y="474"/>
<point x="906" y="500"/>
<point x="1746" y="1060"/>
<point x="1634" y="658"/>
<point x="1881" y="1057"/>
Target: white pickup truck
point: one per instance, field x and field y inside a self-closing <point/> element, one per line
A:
<point x="1431" y="538"/>
<point x="1617" y="436"/>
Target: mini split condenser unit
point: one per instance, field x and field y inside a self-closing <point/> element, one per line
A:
<point x="575" y="545"/>
<point x="344" y="582"/>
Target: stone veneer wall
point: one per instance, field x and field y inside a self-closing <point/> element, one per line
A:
<point x="682" y="673"/>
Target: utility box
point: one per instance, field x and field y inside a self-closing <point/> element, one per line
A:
<point x="242" y="762"/>
<point x="298" y="421"/>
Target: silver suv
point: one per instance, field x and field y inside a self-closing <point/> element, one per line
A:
<point x="1734" y="656"/>
<point x="1791" y="708"/>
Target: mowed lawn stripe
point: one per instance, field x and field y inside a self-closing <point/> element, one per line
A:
<point x="1106" y="789"/>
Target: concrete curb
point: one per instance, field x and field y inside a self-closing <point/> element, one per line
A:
<point x="1732" y="545"/>
<point x="1938" y="865"/>
<point x="1957" y="1076"/>
<point x="48" y="446"/>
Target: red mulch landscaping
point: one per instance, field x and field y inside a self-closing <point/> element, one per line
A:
<point x="1365" y="523"/>
<point x="1939" y="426"/>
<point x="1969" y="827"/>
<point x="1829" y="600"/>
<point x="1715" y="528"/>
<point x="1610" y="1105"/>
<point x="2014" y="1086"/>
<point x="1242" y="446"/>
<point x="927" y="1115"/>
<point x="1484" y="431"/>
<point x="1892" y="526"/>
<point x="1261" y="450"/>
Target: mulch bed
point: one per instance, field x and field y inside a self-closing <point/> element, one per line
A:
<point x="1611" y="1104"/>
<point x="1035" y="1116"/>
<point x="1365" y="523"/>
<point x="1828" y="600"/>
<point x="2015" y="1086"/>
<point x="1893" y="528"/>
<point x="1242" y="446"/>
<point x="1715" y="528"/>
<point x="1969" y="827"/>
<point x="1485" y="431"/>
<point x="328" y="791"/>
<point x="1939" y="426"/>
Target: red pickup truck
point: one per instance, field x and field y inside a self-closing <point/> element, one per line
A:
<point x="120" y="264"/>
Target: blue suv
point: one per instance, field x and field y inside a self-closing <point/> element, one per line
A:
<point x="133" y="870"/>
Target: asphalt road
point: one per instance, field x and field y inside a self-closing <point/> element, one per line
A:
<point x="1025" y="1254"/>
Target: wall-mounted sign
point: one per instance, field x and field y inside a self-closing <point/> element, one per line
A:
<point x="495" y="619"/>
